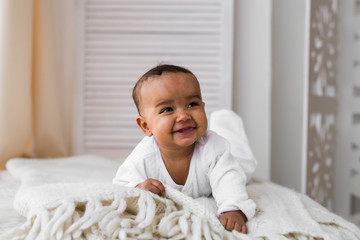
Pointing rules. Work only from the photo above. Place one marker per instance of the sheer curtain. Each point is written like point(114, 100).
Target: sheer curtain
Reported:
point(37, 58)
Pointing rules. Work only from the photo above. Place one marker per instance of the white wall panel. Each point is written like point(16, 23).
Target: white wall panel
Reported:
point(122, 39)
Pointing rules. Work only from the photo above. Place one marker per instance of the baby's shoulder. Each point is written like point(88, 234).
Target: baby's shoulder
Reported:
point(213, 143)
point(145, 149)
point(212, 140)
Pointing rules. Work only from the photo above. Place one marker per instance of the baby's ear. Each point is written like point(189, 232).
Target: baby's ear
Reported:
point(143, 125)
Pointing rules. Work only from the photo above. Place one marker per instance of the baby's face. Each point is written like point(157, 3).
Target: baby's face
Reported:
point(172, 110)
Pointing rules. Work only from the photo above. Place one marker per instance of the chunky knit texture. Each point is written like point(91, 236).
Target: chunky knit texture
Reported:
point(72, 198)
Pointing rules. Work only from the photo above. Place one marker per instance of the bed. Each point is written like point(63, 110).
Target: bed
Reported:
point(73, 198)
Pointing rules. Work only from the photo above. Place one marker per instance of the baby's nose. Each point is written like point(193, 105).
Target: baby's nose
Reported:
point(183, 115)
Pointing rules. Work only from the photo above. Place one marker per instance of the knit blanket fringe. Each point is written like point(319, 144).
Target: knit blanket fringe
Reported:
point(115, 212)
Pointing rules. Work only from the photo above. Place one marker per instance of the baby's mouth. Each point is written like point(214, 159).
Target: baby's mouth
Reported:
point(185, 130)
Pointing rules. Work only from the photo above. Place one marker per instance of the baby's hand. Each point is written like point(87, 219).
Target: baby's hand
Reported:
point(234, 220)
point(153, 186)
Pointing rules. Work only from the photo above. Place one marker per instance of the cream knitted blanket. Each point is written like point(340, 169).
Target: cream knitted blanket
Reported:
point(72, 198)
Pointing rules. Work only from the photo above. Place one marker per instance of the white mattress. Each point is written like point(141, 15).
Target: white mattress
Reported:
point(301, 217)
point(8, 216)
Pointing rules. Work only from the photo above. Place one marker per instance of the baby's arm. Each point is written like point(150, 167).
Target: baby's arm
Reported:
point(229, 190)
point(133, 171)
point(228, 182)
point(153, 186)
point(234, 220)
point(129, 174)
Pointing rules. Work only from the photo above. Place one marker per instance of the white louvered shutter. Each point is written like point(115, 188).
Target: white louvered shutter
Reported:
point(122, 39)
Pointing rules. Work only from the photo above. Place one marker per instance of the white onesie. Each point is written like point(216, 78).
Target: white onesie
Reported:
point(213, 170)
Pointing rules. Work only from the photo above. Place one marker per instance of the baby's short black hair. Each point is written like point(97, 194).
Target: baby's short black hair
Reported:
point(156, 71)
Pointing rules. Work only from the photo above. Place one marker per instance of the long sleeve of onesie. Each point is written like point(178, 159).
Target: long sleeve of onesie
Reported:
point(134, 169)
point(227, 177)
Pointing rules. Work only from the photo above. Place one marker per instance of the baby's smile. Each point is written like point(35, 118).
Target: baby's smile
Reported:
point(185, 130)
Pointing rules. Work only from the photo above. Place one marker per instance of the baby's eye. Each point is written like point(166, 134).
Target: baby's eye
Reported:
point(193, 104)
point(165, 110)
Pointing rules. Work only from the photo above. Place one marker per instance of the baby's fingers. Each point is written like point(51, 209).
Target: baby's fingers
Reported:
point(154, 189)
point(227, 222)
point(234, 220)
point(244, 229)
point(153, 186)
point(241, 228)
point(238, 227)
point(223, 221)
point(232, 224)
point(159, 186)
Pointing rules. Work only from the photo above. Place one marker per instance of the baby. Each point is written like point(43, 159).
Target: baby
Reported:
point(178, 149)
